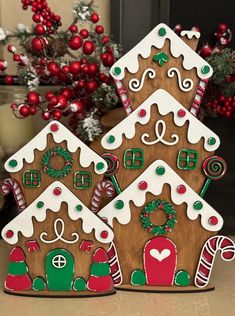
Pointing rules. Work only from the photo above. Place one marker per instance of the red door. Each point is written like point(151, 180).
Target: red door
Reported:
point(160, 256)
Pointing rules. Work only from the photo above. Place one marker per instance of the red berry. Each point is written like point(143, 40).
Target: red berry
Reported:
point(37, 18)
point(105, 39)
point(76, 106)
point(62, 101)
point(84, 33)
point(9, 80)
point(65, 69)
point(67, 93)
point(53, 68)
point(99, 29)
point(16, 57)
point(85, 69)
point(88, 47)
point(92, 69)
point(40, 29)
point(91, 86)
point(222, 27)
point(38, 44)
point(24, 110)
point(75, 42)
point(74, 67)
point(104, 56)
point(54, 100)
point(62, 76)
point(94, 17)
point(46, 116)
point(33, 98)
point(32, 110)
point(81, 84)
point(57, 114)
point(109, 61)
point(49, 95)
point(73, 28)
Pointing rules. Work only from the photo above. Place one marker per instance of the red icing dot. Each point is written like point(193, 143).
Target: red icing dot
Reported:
point(181, 189)
point(100, 255)
point(181, 113)
point(143, 185)
point(142, 113)
point(104, 234)
point(213, 220)
point(57, 191)
point(54, 127)
point(9, 234)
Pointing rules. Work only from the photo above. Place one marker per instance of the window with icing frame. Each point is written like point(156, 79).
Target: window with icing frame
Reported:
point(134, 158)
point(82, 180)
point(32, 179)
point(187, 159)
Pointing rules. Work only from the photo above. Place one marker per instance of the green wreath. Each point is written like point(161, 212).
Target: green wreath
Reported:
point(158, 229)
point(68, 161)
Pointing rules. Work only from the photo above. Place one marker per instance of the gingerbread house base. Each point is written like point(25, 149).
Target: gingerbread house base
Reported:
point(55, 294)
point(164, 289)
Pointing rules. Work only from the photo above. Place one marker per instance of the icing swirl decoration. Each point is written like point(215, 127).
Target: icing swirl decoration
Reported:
point(136, 85)
point(59, 235)
point(160, 130)
point(186, 84)
point(214, 167)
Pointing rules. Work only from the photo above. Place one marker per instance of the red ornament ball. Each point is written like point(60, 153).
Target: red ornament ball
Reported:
point(36, 18)
point(84, 33)
point(75, 67)
point(40, 29)
point(53, 68)
point(46, 116)
point(38, 44)
point(94, 17)
point(88, 47)
point(75, 42)
point(57, 114)
point(24, 110)
point(33, 98)
point(206, 51)
point(32, 110)
point(99, 29)
point(73, 28)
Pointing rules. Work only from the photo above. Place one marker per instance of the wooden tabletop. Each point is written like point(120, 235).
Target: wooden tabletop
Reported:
point(219, 302)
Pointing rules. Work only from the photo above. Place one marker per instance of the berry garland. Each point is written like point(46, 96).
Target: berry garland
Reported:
point(62, 152)
point(158, 229)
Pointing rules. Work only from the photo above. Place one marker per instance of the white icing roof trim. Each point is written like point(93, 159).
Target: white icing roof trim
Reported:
point(155, 185)
point(177, 47)
point(23, 222)
point(165, 104)
point(87, 155)
point(190, 34)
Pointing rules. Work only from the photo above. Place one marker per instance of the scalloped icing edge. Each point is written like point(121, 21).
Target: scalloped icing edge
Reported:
point(177, 47)
point(190, 34)
point(155, 185)
point(23, 222)
point(39, 142)
point(165, 104)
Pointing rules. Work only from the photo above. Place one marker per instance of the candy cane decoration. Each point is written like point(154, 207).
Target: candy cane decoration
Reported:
point(114, 264)
point(9, 185)
point(207, 257)
point(103, 187)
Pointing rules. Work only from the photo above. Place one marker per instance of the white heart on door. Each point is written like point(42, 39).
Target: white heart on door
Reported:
point(160, 255)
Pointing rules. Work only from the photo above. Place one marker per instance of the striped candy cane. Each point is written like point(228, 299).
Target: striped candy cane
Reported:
point(209, 250)
point(114, 264)
point(104, 186)
point(9, 185)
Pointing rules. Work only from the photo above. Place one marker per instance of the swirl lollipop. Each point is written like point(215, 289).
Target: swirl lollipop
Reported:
point(214, 168)
point(113, 165)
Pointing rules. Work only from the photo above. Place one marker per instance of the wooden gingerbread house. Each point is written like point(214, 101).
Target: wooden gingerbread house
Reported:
point(162, 60)
point(54, 154)
point(59, 248)
point(161, 128)
point(161, 226)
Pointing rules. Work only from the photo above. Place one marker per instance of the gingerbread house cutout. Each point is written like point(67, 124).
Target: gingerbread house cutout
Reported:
point(161, 226)
point(161, 128)
point(59, 248)
point(54, 154)
point(162, 60)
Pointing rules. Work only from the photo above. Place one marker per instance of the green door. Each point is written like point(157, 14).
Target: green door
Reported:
point(59, 270)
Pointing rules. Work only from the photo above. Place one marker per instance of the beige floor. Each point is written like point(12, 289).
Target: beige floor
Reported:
point(220, 302)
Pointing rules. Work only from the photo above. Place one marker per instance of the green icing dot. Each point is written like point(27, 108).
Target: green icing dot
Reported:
point(205, 69)
point(117, 71)
point(40, 204)
point(111, 139)
point(211, 141)
point(119, 204)
point(138, 277)
point(162, 31)
point(79, 207)
point(182, 278)
point(198, 205)
point(79, 284)
point(100, 166)
point(39, 284)
point(13, 163)
point(160, 170)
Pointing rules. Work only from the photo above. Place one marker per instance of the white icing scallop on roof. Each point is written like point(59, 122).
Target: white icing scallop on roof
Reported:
point(177, 47)
point(87, 155)
point(165, 104)
point(155, 185)
point(23, 222)
point(190, 34)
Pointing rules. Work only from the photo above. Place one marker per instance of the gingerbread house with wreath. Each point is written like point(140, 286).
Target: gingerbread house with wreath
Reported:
point(54, 154)
point(162, 60)
point(164, 233)
point(59, 248)
point(161, 128)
